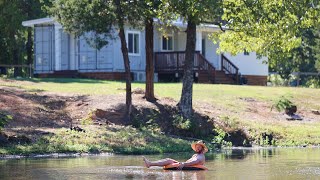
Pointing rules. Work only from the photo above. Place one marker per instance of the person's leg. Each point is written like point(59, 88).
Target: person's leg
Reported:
point(161, 162)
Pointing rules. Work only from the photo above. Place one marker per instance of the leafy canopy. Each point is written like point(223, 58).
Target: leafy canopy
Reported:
point(197, 11)
point(264, 25)
point(95, 16)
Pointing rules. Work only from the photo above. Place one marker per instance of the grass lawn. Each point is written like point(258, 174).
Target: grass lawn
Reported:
point(226, 96)
point(215, 94)
point(229, 101)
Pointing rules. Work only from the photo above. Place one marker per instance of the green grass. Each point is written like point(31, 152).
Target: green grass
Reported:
point(204, 92)
point(228, 97)
point(116, 139)
point(297, 134)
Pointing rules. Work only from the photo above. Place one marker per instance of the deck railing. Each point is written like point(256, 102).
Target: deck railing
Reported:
point(169, 61)
point(174, 62)
point(229, 68)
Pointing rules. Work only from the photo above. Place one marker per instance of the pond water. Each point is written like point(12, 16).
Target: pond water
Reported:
point(275, 163)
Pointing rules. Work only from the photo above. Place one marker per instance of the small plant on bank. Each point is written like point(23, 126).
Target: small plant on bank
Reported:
point(182, 123)
point(218, 140)
point(89, 119)
point(284, 104)
point(230, 122)
point(4, 119)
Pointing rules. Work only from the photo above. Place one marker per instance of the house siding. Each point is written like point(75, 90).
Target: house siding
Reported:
point(211, 51)
point(250, 64)
point(44, 48)
point(65, 50)
point(137, 62)
point(56, 50)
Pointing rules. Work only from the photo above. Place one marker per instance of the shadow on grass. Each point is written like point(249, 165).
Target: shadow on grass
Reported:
point(33, 110)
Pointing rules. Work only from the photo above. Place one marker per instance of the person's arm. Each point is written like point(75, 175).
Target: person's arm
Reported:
point(192, 161)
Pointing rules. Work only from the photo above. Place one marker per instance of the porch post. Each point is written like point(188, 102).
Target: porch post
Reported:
point(57, 45)
point(72, 55)
point(199, 41)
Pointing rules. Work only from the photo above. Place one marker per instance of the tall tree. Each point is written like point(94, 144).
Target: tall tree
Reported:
point(104, 18)
point(149, 10)
point(11, 17)
point(31, 9)
point(266, 26)
point(13, 35)
point(193, 12)
point(299, 59)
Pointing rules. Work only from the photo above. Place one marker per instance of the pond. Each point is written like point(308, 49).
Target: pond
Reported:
point(273, 163)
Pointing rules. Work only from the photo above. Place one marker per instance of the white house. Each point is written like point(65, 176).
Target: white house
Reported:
point(58, 53)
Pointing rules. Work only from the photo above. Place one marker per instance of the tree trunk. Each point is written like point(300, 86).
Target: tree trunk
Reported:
point(185, 104)
point(17, 70)
point(149, 94)
point(15, 55)
point(29, 46)
point(125, 55)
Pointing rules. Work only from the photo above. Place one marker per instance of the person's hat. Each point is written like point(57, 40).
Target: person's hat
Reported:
point(193, 146)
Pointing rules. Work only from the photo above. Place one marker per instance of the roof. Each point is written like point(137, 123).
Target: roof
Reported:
point(178, 23)
point(33, 22)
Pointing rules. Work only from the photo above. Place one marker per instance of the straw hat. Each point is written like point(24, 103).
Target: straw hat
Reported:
point(193, 146)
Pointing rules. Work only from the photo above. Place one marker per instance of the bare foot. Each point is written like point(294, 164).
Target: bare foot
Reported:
point(146, 162)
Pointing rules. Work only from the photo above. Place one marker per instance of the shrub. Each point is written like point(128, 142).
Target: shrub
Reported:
point(4, 119)
point(313, 83)
point(282, 104)
point(182, 123)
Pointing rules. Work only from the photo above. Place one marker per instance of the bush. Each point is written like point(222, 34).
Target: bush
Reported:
point(4, 119)
point(276, 80)
point(313, 83)
point(182, 123)
point(284, 104)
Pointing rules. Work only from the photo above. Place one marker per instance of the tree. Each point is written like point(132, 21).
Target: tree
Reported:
point(13, 35)
point(102, 17)
point(299, 59)
point(193, 12)
point(266, 26)
point(31, 9)
point(149, 10)
point(281, 30)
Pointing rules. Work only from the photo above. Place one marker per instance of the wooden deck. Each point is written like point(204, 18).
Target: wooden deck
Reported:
point(173, 62)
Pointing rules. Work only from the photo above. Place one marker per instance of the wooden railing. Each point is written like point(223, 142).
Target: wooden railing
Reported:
point(169, 61)
point(229, 68)
point(204, 65)
point(174, 62)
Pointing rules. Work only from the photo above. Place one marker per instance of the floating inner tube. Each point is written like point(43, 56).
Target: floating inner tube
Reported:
point(174, 166)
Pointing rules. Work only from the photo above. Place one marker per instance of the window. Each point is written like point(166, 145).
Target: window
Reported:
point(133, 39)
point(167, 43)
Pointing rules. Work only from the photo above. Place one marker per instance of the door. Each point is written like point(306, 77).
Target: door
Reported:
point(65, 51)
point(203, 50)
point(44, 48)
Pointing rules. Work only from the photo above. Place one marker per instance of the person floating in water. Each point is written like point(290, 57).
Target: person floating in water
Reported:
point(197, 159)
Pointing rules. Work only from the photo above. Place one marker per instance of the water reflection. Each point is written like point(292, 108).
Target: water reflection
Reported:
point(228, 164)
point(236, 154)
point(196, 175)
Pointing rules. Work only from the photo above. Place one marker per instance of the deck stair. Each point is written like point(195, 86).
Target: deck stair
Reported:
point(223, 78)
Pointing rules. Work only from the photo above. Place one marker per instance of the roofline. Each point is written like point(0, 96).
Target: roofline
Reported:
point(178, 23)
point(33, 22)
